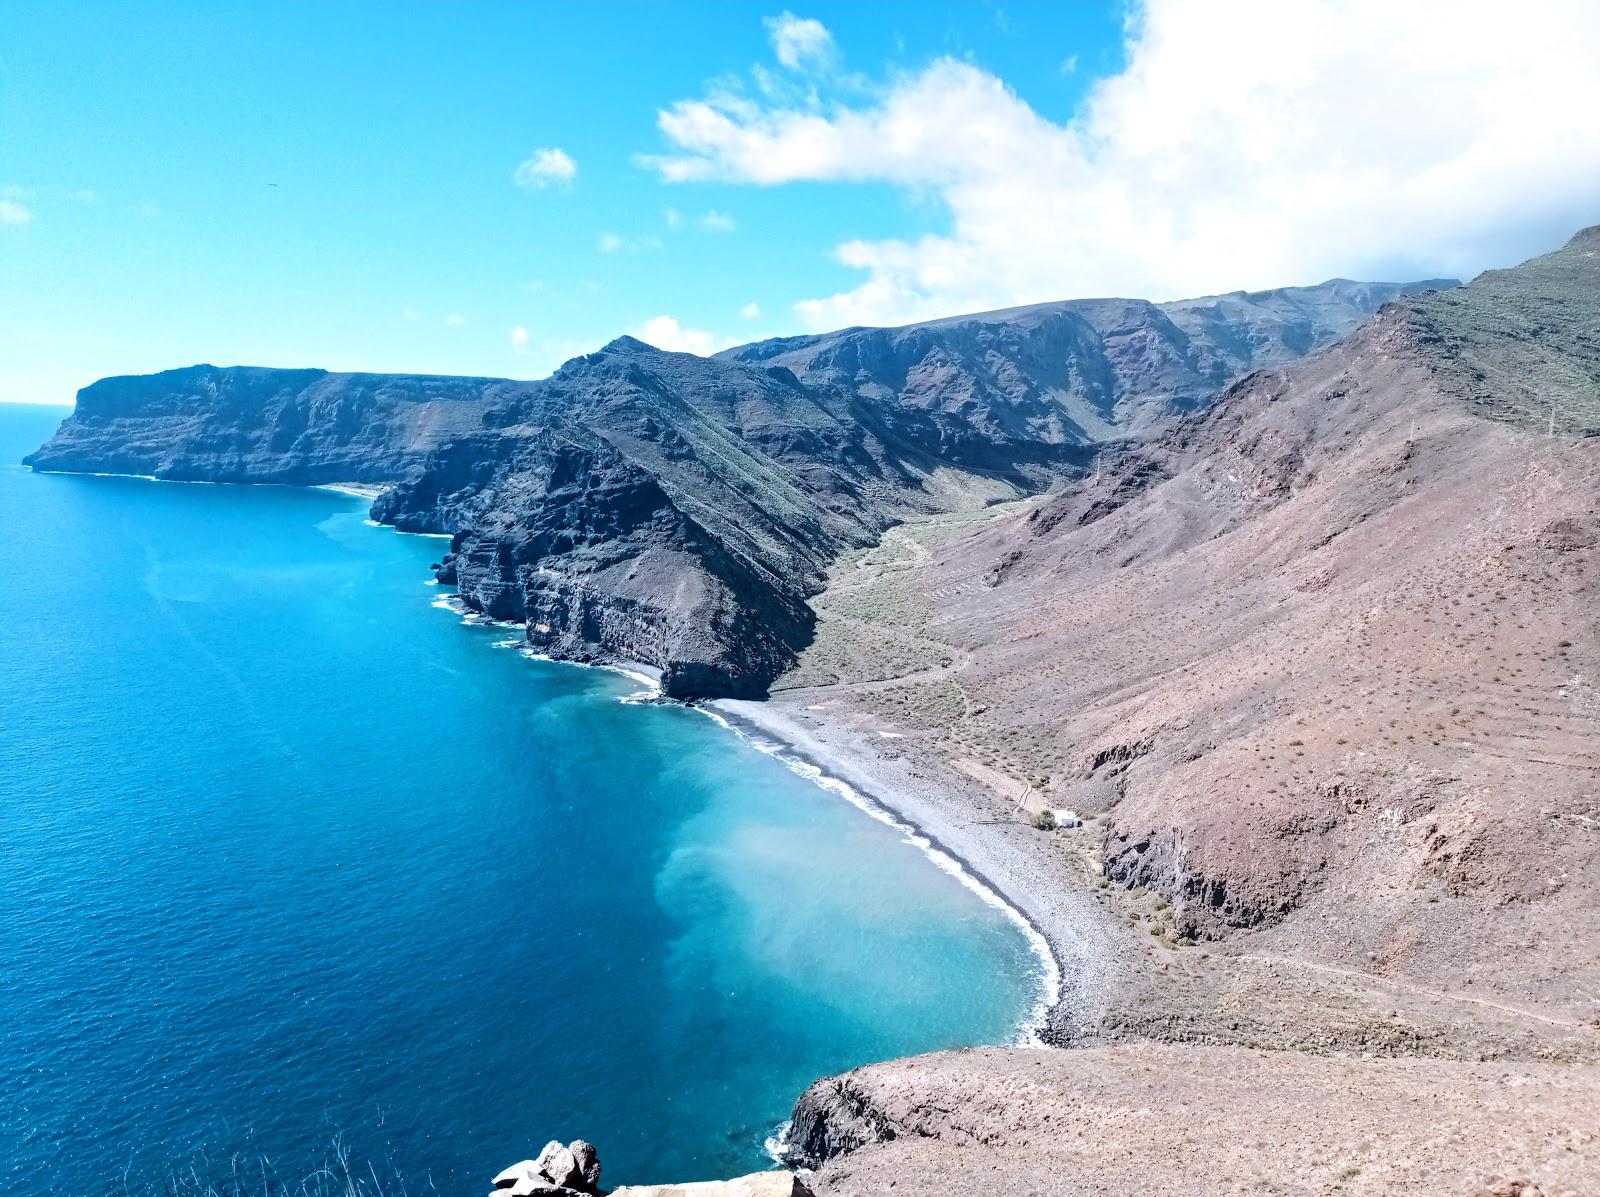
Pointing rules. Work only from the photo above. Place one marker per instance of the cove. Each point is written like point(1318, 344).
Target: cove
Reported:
point(287, 852)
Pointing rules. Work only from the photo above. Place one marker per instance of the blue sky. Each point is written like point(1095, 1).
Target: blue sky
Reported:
point(143, 140)
point(336, 184)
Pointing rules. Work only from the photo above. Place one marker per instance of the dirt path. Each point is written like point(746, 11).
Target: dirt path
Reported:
point(1367, 978)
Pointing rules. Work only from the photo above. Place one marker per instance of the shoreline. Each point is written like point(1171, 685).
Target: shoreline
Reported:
point(356, 490)
point(768, 729)
point(1002, 859)
point(770, 732)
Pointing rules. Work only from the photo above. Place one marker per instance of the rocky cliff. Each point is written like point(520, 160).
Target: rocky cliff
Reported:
point(246, 424)
point(679, 511)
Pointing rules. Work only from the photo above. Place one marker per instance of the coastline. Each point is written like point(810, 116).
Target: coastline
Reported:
point(932, 813)
point(959, 825)
point(1003, 859)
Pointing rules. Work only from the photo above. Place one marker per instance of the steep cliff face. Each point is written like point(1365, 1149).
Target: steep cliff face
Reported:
point(247, 424)
point(669, 509)
point(1081, 370)
point(679, 511)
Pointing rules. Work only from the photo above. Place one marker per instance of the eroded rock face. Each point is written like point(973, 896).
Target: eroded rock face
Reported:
point(679, 511)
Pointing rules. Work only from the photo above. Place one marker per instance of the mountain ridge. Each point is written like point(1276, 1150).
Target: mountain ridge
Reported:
point(679, 511)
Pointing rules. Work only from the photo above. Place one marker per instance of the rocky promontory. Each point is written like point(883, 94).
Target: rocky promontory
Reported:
point(248, 424)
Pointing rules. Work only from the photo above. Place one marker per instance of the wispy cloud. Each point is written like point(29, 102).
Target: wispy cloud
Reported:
point(455, 320)
point(14, 212)
point(750, 311)
point(717, 222)
point(800, 43)
point(614, 243)
point(1242, 145)
point(548, 166)
point(519, 339)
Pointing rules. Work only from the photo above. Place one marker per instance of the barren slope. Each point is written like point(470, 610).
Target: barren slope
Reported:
point(1320, 663)
point(1156, 1120)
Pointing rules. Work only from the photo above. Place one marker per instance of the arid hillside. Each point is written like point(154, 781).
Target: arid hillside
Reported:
point(1320, 665)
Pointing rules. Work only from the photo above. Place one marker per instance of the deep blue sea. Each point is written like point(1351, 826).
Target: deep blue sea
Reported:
point(289, 852)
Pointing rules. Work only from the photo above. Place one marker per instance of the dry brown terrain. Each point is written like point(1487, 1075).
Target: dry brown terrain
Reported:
point(1156, 1120)
point(1320, 666)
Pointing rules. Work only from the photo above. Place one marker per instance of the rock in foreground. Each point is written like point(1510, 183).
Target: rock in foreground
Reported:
point(574, 1170)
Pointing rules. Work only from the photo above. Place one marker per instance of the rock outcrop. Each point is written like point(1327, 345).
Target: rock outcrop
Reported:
point(679, 511)
point(573, 1170)
point(562, 1170)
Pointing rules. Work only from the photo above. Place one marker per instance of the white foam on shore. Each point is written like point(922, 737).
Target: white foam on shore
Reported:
point(650, 687)
point(1028, 1033)
point(650, 690)
point(355, 490)
point(372, 523)
point(776, 1145)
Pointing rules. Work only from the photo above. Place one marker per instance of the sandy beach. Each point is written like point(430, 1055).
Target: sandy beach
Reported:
point(358, 490)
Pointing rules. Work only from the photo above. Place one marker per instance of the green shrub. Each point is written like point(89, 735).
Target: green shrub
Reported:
point(1045, 820)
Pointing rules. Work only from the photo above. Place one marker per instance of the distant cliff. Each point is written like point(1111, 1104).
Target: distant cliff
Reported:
point(247, 424)
point(1081, 370)
point(677, 510)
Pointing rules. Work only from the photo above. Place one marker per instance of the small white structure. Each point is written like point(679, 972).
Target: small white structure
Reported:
point(1067, 818)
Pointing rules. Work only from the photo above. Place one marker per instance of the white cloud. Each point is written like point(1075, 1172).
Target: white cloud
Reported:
point(1069, 65)
point(12, 212)
point(717, 222)
point(1244, 145)
point(408, 313)
point(673, 217)
point(546, 166)
point(800, 42)
point(455, 320)
point(611, 243)
point(750, 311)
point(519, 339)
point(664, 332)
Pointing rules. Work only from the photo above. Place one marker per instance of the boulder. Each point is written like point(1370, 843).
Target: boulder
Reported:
point(556, 1164)
point(587, 1160)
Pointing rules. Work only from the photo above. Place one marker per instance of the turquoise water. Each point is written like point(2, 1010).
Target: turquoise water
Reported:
point(286, 852)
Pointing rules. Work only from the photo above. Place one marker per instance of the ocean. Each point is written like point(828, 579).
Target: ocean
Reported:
point(290, 854)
